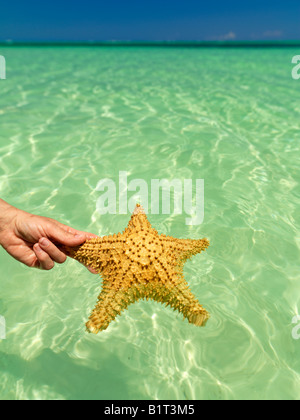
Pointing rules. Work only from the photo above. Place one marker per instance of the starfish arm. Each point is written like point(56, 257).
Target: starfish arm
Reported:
point(110, 304)
point(173, 290)
point(184, 249)
point(185, 302)
point(139, 222)
point(96, 252)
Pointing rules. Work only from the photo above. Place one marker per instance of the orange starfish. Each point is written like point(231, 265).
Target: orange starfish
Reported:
point(138, 264)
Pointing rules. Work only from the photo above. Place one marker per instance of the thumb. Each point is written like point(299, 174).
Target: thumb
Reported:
point(63, 237)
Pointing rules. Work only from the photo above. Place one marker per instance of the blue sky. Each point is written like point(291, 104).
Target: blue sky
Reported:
point(34, 20)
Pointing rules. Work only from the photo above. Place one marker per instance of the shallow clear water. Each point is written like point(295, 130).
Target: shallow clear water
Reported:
point(72, 116)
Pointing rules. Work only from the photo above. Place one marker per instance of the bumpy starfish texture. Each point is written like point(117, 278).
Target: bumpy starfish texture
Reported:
point(139, 264)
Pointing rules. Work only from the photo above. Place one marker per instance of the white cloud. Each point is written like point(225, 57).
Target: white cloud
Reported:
point(230, 36)
point(273, 34)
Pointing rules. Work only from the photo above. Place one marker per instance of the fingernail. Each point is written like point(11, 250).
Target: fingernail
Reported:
point(37, 248)
point(44, 242)
point(79, 236)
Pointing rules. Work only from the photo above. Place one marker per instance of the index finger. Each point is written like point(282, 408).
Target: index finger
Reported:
point(69, 229)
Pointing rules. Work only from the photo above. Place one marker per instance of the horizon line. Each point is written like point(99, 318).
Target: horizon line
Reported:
point(117, 43)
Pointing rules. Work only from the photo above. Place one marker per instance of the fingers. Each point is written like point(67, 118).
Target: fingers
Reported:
point(54, 253)
point(47, 254)
point(66, 235)
point(91, 270)
point(45, 262)
point(69, 229)
point(63, 236)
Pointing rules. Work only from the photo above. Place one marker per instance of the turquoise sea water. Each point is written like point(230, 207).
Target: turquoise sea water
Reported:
point(70, 117)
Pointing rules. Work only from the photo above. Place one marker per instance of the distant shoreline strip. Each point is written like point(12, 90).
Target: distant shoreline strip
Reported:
point(181, 44)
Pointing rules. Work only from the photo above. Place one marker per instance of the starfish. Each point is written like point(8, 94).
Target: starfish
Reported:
point(140, 264)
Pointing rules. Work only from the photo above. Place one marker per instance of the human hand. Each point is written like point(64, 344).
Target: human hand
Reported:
point(34, 240)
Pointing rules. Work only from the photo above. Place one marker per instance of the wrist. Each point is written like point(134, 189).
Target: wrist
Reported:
point(8, 214)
